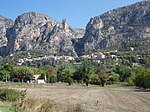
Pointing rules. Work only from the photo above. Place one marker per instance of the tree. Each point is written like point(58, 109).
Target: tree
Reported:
point(51, 74)
point(6, 71)
point(142, 78)
point(84, 72)
point(147, 61)
point(4, 75)
point(79, 74)
point(130, 81)
point(23, 73)
point(124, 71)
point(103, 77)
point(69, 80)
point(113, 78)
point(94, 79)
point(67, 74)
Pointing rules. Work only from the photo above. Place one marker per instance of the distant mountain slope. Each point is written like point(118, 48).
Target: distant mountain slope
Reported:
point(128, 25)
point(4, 25)
point(36, 31)
point(118, 26)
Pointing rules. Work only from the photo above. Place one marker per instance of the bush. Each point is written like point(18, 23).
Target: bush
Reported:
point(11, 95)
point(23, 73)
point(103, 77)
point(43, 105)
point(147, 81)
point(70, 80)
point(38, 105)
point(94, 79)
point(142, 78)
point(124, 71)
point(130, 81)
point(51, 78)
point(113, 78)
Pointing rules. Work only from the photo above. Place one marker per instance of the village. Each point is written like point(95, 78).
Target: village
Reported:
point(97, 57)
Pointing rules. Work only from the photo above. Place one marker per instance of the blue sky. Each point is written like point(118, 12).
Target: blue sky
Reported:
point(77, 12)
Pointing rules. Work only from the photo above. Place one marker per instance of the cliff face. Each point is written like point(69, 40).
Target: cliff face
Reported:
point(4, 25)
point(36, 31)
point(116, 26)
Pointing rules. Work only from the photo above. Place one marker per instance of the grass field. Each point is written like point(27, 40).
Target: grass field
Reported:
point(7, 109)
point(92, 98)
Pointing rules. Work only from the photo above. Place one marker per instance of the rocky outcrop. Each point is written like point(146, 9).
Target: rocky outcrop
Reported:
point(36, 31)
point(4, 25)
point(116, 26)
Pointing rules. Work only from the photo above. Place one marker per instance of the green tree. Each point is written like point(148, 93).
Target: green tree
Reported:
point(6, 71)
point(147, 61)
point(124, 71)
point(67, 74)
point(130, 81)
point(94, 79)
point(103, 77)
point(51, 74)
point(4, 75)
point(23, 73)
point(83, 72)
point(113, 78)
point(142, 78)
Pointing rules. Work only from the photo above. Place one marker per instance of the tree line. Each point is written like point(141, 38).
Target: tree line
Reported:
point(88, 72)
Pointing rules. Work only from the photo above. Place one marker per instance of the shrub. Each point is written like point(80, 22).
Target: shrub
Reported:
point(142, 78)
point(70, 80)
point(113, 78)
point(11, 95)
point(147, 81)
point(130, 81)
point(124, 72)
point(94, 79)
point(43, 105)
point(23, 73)
point(103, 77)
point(51, 78)
point(38, 105)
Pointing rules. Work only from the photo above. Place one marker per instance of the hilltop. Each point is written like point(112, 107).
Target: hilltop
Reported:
point(127, 25)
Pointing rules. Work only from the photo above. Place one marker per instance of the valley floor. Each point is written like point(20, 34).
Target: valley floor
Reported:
point(93, 98)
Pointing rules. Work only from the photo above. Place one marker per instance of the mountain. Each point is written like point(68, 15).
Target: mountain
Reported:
point(4, 25)
point(118, 26)
point(129, 25)
point(36, 31)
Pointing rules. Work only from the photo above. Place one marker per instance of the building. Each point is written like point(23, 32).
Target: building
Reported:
point(37, 79)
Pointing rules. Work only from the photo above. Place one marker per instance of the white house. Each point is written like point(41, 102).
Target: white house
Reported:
point(37, 79)
point(101, 56)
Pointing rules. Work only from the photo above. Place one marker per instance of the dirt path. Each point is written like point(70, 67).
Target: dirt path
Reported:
point(96, 99)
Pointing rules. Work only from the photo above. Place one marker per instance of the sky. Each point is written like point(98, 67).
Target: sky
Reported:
point(77, 12)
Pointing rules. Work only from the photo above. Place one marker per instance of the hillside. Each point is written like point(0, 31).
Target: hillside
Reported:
point(35, 31)
point(122, 25)
point(4, 25)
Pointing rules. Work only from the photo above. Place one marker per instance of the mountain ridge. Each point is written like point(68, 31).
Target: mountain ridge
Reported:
point(37, 31)
point(117, 26)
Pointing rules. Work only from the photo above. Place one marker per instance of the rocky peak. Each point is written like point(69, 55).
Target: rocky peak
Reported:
point(33, 18)
point(4, 25)
point(118, 25)
point(36, 31)
point(65, 25)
